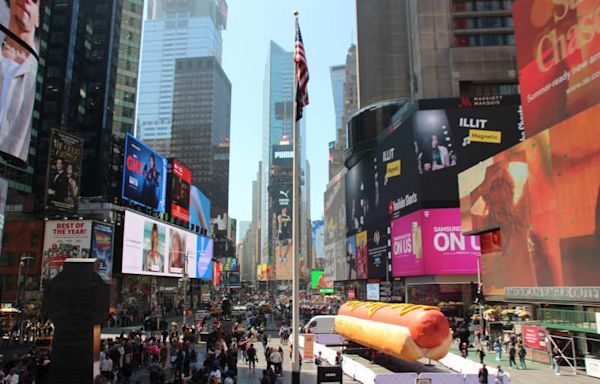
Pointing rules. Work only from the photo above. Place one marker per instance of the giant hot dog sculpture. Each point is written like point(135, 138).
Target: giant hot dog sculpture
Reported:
point(406, 331)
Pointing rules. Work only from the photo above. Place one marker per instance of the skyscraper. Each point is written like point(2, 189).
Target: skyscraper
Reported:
point(173, 30)
point(427, 49)
point(201, 125)
point(338, 77)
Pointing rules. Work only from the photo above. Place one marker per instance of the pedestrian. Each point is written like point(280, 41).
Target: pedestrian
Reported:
point(106, 369)
point(556, 361)
point(506, 342)
point(498, 349)
point(276, 360)
point(522, 353)
point(338, 358)
point(215, 375)
point(464, 350)
point(265, 379)
point(268, 357)
point(500, 376)
point(481, 354)
point(265, 340)
point(512, 355)
point(251, 352)
point(319, 359)
point(483, 375)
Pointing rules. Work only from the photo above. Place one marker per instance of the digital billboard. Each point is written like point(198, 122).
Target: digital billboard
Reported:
point(541, 202)
point(19, 25)
point(378, 247)
point(64, 171)
point(360, 194)
point(335, 228)
point(102, 248)
point(373, 291)
point(64, 239)
point(144, 175)
point(430, 242)
point(3, 193)
point(558, 56)
point(180, 179)
point(199, 208)
point(154, 248)
point(318, 244)
point(362, 255)
point(318, 282)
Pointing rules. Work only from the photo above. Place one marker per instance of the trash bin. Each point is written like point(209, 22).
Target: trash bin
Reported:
point(328, 374)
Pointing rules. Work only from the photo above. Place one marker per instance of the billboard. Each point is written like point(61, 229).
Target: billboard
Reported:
point(64, 239)
point(102, 248)
point(199, 208)
point(19, 32)
point(3, 195)
point(335, 228)
point(535, 337)
point(349, 265)
point(318, 244)
point(558, 56)
point(64, 171)
point(430, 242)
point(378, 248)
point(539, 203)
point(373, 291)
point(283, 261)
point(362, 255)
point(154, 248)
point(318, 282)
point(180, 179)
point(144, 175)
point(264, 272)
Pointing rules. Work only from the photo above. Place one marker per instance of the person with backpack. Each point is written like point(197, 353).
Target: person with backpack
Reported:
point(522, 352)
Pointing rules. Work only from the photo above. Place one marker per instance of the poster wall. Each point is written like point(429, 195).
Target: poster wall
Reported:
point(102, 248)
point(64, 171)
point(430, 242)
point(541, 200)
point(20, 67)
point(64, 239)
point(558, 52)
point(199, 208)
point(144, 175)
point(180, 178)
point(154, 248)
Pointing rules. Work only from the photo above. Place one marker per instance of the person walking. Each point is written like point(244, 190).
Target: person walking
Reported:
point(251, 352)
point(338, 358)
point(556, 361)
point(464, 350)
point(512, 354)
point(481, 354)
point(522, 353)
point(483, 375)
point(276, 360)
point(500, 375)
point(498, 349)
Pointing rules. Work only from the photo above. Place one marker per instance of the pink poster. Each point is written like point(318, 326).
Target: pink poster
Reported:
point(407, 249)
point(430, 242)
point(447, 251)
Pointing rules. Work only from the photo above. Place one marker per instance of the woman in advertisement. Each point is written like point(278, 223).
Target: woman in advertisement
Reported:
point(176, 253)
point(73, 188)
point(152, 185)
point(18, 72)
point(153, 259)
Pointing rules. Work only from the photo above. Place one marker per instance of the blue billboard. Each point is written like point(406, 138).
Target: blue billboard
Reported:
point(102, 248)
point(144, 175)
point(204, 257)
point(199, 208)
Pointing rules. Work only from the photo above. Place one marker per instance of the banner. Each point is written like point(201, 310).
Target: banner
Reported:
point(144, 175)
point(309, 345)
point(558, 55)
point(102, 248)
point(62, 240)
point(19, 70)
point(64, 171)
point(535, 337)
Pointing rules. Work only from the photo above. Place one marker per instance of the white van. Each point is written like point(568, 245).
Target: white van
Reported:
point(321, 324)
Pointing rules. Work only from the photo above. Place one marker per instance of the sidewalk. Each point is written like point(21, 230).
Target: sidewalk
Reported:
point(535, 372)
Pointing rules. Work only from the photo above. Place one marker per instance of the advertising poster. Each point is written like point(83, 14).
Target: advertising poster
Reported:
point(360, 194)
point(3, 193)
point(102, 248)
point(535, 337)
point(378, 248)
point(329, 262)
point(199, 208)
point(362, 255)
point(350, 259)
point(20, 67)
point(282, 202)
point(373, 291)
point(179, 193)
point(550, 239)
point(309, 347)
point(558, 56)
point(283, 261)
point(64, 171)
point(318, 244)
point(319, 283)
point(335, 228)
point(63, 240)
point(434, 144)
point(144, 175)
point(154, 248)
point(446, 250)
point(407, 245)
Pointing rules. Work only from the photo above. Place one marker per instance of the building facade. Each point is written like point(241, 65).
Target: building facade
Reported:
point(173, 30)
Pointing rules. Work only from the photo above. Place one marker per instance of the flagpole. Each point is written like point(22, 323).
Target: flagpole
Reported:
point(295, 233)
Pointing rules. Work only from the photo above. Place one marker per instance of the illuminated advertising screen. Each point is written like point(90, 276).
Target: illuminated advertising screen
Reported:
point(360, 194)
point(64, 171)
point(154, 248)
point(558, 56)
point(3, 193)
point(539, 204)
point(199, 208)
point(19, 23)
point(318, 244)
point(318, 282)
point(430, 242)
point(362, 255)
point(378, 247)
point(144, 175)
point(64, 239)
point(180, 178)
point(102, 248)
point(349, 264)
point(335, 228)
point(373, 291)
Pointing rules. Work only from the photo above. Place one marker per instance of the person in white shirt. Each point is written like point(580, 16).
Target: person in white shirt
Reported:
point(106, 368)
point(215, 376)
point(276, 360)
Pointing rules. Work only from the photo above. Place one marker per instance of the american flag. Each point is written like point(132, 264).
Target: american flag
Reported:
point(301, 74)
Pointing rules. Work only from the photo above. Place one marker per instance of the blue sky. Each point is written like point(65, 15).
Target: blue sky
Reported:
point(328, 29)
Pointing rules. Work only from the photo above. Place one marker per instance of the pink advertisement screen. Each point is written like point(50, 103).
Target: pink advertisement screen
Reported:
point(430, 242)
